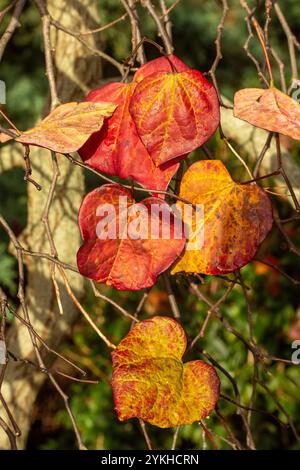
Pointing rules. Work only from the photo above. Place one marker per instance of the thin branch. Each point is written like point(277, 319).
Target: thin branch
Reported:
point(160, 26)
point(171, 296)
point(290, 38)
point(13, 25)
point(136, 36)
point(50, 68)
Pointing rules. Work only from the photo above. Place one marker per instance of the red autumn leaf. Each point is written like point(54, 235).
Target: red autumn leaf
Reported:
point(167, 64)
point(118, 247)
point(66, 128)
point(269, 109)
point(174, 113)
point(151, 382)
point(117, 149)
point(236, 219)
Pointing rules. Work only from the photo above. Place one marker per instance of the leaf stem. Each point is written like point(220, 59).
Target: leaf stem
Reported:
point(9, 121)
point(263, 45)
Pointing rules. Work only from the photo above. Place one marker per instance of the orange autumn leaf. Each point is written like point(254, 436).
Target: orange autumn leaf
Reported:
point(118, 248)
point(269, 109)
point(117, 149)
point(236, 219)
point(151, 382)
point(174, 113)
point(67, 128)
point(5, 137)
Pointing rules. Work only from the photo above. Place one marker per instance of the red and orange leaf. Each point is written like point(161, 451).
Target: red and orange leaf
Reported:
point(117, 258)
point(167, 64)
point(174, 113)
point(117, 149)
point(151, 382)
point(68, 127)
point(269, 109)
point(236, 219)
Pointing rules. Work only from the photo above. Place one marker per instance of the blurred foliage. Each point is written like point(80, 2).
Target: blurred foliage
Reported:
point(13, 205)
point(23, 71)
point(274, 299)
point(7, 271)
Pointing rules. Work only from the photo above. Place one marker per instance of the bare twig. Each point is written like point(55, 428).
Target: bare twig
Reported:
point(160, 26)
point(13, 25)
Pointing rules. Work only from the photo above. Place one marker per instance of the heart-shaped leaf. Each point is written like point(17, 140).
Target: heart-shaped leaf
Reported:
point(151, 382)
point(174, 113)
point(117, 148)
point(168, 64)
point(269, 109)
point(236, 219)
point(126, 245)
point(67, 128)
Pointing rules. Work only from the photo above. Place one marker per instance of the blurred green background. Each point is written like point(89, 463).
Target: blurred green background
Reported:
point(274, 299)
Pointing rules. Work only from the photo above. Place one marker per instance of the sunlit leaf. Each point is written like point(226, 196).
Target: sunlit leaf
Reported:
point(117, 149)
point(119, 257)
point(269, 109)
point(151, 382)
point(236, 219)
point(168, 64)
point(67, 128)
point(174, 113)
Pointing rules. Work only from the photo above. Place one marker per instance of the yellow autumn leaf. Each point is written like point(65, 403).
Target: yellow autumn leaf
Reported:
point(68, 127)
point(236, 219)
point(151, 382)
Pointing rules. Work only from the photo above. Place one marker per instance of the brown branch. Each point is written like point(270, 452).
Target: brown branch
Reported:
point(165, 18)
point(13, 25)
point(145, 434)
point(106, 26)
point(218, 40)
point(11, 436)
point(84, 312)
point(21, 297)
point(290, 38)
point(136, 36)
point(7, 9)
point(160, 26)
point(50, 68)
point(248, 20)
point(171, 296)
point(95, 51)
